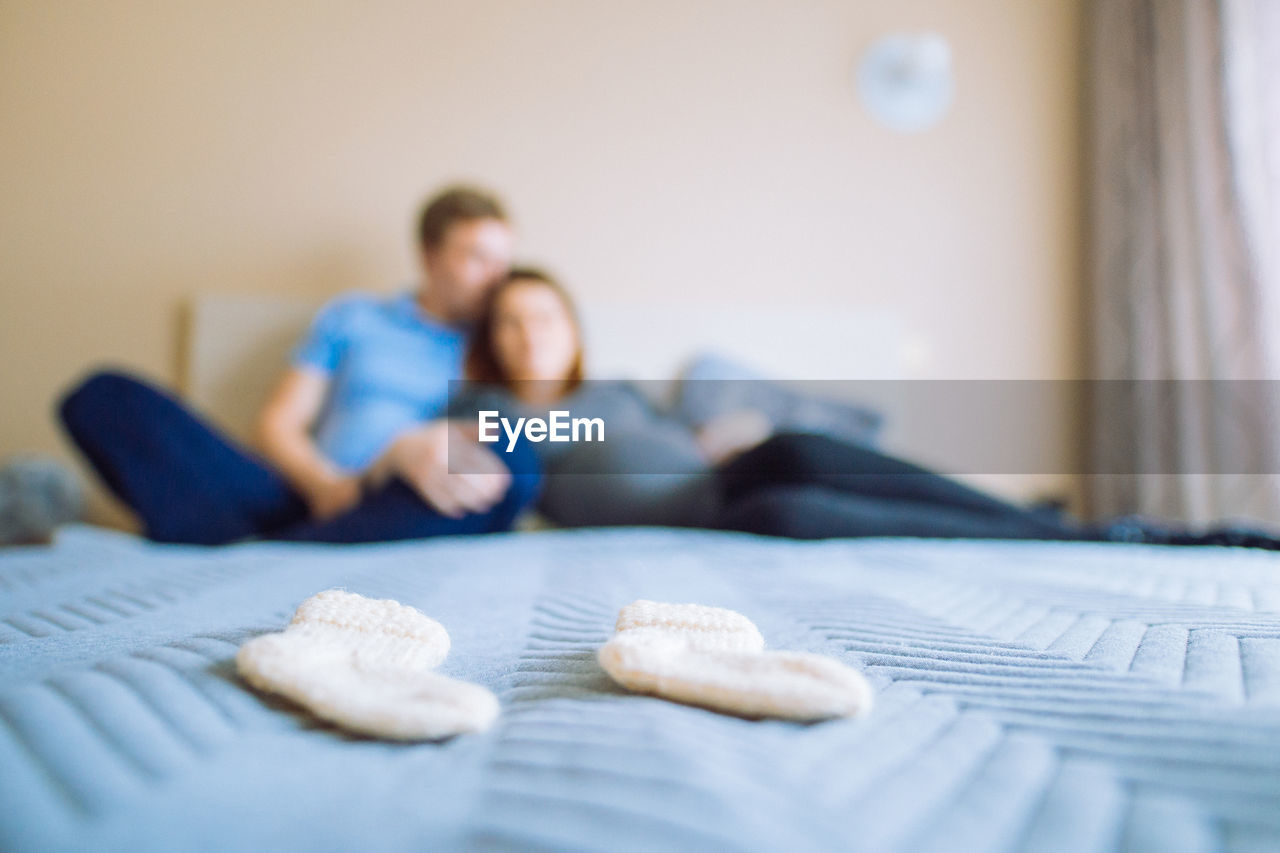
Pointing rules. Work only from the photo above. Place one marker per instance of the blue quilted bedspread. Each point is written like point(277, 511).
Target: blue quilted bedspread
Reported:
point(1030, 696)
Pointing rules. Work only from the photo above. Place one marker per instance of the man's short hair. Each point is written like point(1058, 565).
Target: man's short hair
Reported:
point(452, 205)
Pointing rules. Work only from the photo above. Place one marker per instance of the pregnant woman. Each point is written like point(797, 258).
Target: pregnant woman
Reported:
point(526, 359)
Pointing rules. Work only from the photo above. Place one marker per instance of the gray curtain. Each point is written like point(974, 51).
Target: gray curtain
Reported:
point(1183, 155)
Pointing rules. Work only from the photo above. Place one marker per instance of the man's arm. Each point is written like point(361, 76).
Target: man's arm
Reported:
point(285, 439)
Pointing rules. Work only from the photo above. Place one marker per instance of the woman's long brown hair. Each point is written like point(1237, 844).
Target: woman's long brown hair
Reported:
point(482, 362)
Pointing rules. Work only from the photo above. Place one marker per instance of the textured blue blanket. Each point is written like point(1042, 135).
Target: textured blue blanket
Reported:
point(1031, 696)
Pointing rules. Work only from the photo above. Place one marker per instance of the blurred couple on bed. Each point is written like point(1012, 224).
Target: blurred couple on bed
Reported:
point(360, 441)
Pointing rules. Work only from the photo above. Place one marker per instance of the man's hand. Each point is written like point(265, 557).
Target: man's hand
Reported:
point(332, 497)
point(421, 458)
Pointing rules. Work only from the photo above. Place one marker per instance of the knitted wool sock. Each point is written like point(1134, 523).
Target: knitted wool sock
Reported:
point(715, 658)
point(365, 664)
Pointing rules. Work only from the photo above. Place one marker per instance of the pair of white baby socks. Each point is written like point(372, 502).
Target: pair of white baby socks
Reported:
point(366, 664)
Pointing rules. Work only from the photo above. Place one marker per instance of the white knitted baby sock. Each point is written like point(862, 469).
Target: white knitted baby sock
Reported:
point(715, 658)
point(365, 664)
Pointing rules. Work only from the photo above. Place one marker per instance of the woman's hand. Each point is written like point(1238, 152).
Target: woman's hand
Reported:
point(725, 436)
point(421, 457)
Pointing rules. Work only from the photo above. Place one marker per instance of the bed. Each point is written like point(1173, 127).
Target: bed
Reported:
point(1029, 696)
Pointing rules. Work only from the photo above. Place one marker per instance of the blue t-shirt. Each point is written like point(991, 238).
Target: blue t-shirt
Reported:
point(389, 364)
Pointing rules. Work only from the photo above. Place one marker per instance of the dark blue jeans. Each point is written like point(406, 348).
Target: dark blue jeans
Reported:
point(815, 487)
point(189, 484)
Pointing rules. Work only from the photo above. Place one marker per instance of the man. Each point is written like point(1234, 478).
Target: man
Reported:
point(354, 440)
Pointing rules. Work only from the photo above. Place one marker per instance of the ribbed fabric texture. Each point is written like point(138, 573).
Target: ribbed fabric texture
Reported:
point(1029, 696)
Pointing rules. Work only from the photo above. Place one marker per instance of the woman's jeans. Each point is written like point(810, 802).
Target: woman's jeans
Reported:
point(815, 487)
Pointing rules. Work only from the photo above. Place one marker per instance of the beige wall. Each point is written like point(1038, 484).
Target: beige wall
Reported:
point(153, 150)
